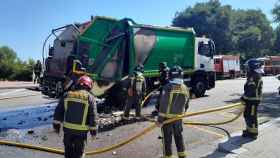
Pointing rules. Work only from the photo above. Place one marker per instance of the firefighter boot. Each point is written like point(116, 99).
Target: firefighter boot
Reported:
point(247, 134)
point(154, 113)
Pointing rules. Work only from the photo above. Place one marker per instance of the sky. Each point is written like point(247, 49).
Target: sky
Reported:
point(24, 24)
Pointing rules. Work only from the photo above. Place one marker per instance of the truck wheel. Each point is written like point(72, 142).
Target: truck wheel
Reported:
point(199, 87)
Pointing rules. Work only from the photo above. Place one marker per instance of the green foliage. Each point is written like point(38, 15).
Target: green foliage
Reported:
point(7, 60)
point(244, 32)
point(276, 12)
point(276, 45)
point(252, 33)
point(210, 19)
point(12, 68)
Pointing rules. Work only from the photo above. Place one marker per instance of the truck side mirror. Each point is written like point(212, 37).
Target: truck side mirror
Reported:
point(212, 48)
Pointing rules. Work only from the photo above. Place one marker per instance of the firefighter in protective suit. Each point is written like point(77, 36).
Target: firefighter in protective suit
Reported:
point(136, 92)
point(163, 80)
point(37, 71)
point(77, 112)
point(252, 97)
point(173, 103)
point(164, 72)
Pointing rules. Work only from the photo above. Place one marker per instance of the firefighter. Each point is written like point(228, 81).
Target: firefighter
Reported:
point(252, 97)
point(173, 103)
point(136, 92)
point(77, 112)
point(163, 70)
point(163, 80)
point(37, 71)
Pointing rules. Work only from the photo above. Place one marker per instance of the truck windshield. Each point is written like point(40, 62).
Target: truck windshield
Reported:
point(204, 49)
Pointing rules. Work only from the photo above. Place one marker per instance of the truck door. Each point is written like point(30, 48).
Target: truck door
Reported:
point(206, 51)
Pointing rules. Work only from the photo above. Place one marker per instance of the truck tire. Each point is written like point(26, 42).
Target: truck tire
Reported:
point(199, 87)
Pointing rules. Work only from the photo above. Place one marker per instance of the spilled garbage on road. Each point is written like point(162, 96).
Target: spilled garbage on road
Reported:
point(28, 117)
point(24, 120)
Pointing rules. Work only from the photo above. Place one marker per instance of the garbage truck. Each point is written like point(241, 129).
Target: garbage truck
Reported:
point(108, 50)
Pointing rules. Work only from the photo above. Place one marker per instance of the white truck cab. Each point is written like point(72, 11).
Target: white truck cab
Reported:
point(203, 78)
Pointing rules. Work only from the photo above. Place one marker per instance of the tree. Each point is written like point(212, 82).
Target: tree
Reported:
point(12, 68)
point(210, 19)
point(23, 70)
point(252, 33)
point(7, 60)
point(276, 12)
point(244, 32)
point(276, 44)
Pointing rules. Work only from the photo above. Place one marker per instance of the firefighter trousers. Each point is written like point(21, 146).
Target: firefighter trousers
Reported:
point(251, 118)
point(36, 78)
point(133, 101)
point(74, 145)
point(158, 100)
point(173, 129)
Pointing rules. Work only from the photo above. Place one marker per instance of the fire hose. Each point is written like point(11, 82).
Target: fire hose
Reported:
point(209, 123)
point(197, 123)
point(134, 137)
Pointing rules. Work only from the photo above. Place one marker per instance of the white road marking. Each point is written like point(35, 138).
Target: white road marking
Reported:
point(11, 92)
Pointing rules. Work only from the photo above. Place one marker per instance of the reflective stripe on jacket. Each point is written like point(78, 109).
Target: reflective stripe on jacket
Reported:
point(173, 101)
point(76, 110)
point(253, 88)
point(137, 85)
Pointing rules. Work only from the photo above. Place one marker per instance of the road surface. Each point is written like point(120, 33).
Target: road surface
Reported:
point(200, 141)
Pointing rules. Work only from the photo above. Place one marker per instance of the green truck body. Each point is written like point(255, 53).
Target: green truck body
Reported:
point(121, 45)
point(108, 50)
